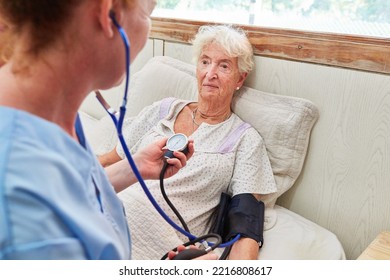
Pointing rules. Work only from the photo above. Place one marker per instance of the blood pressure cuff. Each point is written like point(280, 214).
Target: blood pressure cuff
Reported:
point(218, 218)
point(245, 216)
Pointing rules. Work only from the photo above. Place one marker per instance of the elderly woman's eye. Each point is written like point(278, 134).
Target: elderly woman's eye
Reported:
point(225, 67)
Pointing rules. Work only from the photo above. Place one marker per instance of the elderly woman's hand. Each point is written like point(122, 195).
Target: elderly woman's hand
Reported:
point(150, 160)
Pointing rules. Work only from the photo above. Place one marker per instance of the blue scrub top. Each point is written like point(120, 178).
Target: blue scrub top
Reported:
point(55, 199)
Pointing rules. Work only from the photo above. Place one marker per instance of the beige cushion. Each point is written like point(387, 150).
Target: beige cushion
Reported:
point(285, 124)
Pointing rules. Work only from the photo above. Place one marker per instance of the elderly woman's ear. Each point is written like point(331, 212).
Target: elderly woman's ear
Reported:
point(242, 79)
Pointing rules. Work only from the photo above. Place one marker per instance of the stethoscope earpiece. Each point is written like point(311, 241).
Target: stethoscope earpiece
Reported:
point(112, 15)
point(113, 18)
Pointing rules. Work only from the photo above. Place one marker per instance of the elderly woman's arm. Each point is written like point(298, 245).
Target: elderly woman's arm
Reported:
point(109, 158)
point(244, 249)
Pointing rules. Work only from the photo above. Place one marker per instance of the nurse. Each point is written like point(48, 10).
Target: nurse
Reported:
point(56, 201)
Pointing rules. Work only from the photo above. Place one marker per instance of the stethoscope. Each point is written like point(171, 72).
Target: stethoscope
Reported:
point(175, 142)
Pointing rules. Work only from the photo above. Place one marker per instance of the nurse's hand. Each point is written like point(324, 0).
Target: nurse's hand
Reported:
point(150, 160)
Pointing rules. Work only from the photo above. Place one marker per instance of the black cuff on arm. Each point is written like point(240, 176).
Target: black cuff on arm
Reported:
point(245, 217)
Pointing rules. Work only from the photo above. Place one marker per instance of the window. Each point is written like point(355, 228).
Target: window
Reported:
point(357, 17)
point(352, 34)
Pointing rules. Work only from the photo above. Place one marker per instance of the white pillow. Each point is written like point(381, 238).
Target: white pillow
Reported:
point(161, 77)
point(284, 122)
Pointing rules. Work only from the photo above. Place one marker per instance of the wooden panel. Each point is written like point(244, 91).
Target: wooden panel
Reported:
point(179, 51)
point(345, 182)
point(158, 47)
point(356, 52)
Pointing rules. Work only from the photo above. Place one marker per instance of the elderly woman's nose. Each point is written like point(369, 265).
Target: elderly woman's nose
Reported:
point(212, 71)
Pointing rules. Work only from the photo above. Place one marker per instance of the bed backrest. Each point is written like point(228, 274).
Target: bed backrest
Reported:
point(284, 122)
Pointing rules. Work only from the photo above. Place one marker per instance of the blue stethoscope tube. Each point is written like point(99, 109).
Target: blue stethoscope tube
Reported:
point(119, 124)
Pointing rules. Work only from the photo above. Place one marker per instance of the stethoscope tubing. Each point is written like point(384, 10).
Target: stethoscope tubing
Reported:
point(118, 122)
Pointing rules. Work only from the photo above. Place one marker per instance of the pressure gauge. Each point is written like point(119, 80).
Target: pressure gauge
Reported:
point(177, 142)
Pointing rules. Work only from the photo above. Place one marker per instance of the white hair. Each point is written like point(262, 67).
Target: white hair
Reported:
point(232, 39)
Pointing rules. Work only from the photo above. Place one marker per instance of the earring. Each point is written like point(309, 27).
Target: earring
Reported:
point(237, 88)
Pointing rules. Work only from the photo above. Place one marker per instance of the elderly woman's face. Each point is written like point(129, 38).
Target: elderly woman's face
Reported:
point(217, 73)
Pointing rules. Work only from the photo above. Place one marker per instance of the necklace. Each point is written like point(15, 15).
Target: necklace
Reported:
point(193, 117)
point(203, 115)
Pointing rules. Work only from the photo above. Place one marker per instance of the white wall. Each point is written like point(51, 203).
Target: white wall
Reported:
point(345, 183)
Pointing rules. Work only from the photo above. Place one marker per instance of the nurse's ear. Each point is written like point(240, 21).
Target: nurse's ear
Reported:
point(105, 19)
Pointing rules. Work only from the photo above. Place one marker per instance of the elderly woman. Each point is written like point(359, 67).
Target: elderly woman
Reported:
point(224, 58)
point(56, 201)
